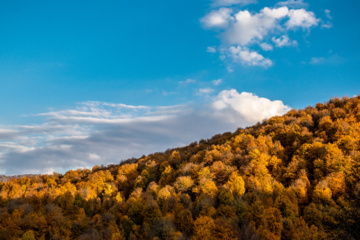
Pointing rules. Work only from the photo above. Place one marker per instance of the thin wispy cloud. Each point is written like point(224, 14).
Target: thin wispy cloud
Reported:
point(327, 12)
point(188, 81)
point(103, 133)
point(327, 23)
point(204, 91)
point(217, 82)
point(217, 3)
point(211, 49)
point(332, 59)
point(293, 3)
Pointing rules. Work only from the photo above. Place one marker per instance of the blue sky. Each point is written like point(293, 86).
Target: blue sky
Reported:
point(70, 65)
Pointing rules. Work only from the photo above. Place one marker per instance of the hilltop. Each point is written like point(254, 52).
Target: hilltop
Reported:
point(291, 177)
point(5, 178)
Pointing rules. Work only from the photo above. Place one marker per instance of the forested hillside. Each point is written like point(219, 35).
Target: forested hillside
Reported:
point(291, 177)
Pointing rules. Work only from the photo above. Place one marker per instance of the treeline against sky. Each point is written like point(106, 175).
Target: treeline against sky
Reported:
point(291, 177)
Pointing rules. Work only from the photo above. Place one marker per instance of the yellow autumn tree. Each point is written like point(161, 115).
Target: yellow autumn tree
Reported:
point(183, 183)
point(236, 184)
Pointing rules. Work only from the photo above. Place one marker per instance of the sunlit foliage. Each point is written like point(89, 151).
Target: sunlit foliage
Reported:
point(291, 177)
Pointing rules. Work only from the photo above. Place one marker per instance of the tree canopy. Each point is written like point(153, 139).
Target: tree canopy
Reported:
point(295, 176)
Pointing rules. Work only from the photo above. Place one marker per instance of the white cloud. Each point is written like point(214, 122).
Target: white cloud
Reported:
point(327, 24)
point(284, 41)
point(211, 49)
point(327, 13)
point(217, 82)
point(301, 18)
point(218, 18)
point(231, 104)
point(317, 60)
point(65, 141)
point(276, 13)
point(266, 47)
point(217, 3)
point(249, 28)
point(229, 69)
point(247, 57)
point(332, 59)
point(293, 3)
point(204, 91)
point(244, 29)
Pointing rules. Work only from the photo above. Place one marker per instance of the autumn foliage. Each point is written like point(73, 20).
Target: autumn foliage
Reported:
point(290, 177)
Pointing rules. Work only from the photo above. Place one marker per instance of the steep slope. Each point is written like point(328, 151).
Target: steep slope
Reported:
point(291, 177)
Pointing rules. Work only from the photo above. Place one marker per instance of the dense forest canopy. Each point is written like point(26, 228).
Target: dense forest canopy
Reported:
point(290, 177)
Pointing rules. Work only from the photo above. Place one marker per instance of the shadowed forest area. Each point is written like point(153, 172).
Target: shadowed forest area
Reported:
point(290, 177)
